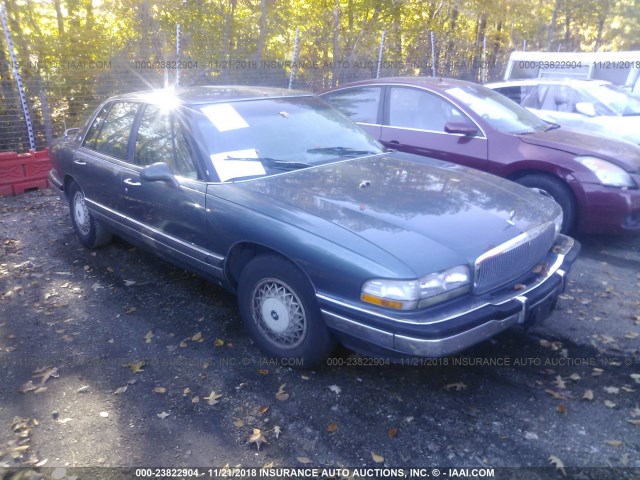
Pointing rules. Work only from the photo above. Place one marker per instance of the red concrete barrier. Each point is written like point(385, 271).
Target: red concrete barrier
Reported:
point(22, 172)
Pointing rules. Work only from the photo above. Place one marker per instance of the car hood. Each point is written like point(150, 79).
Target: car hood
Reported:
point(428, 214)
point(622, 153)
point(622, 128)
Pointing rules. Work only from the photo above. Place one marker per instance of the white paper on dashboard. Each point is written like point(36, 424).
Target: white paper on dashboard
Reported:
point(227, 169)
point(224, 117)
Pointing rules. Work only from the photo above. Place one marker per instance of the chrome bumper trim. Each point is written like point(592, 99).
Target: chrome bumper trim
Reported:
point(561, 249)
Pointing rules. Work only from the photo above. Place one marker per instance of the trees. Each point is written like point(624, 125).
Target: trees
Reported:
point(74, 52)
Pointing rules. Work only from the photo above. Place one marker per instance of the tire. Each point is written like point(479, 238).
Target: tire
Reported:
point(278, 307)
point(560, 193)
point(90, 232)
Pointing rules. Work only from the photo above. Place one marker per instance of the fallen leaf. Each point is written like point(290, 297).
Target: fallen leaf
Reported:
point(392, 432)
point(634, 422)
point(148, 336)
point(305, 377)
point(612, 390)
point(218, 342)
point(556, 395)
point(257, 437)
point(183, 344)
point(120, 390)
point(160, 390)
point(559, 382)
point(335, 389)
point(135, 367)
point(27, 387)
point(596, 372)
point(40, 390)
point(128, 283)
point(588, 395)
point(635, 412)
point(281, 394)
point(186, 392)
point(575, 377)
point(609, 403)
point(263, 409)
point(614, 443)
point(45, 373)
point(304, 459)
point(213, 397)
point(195, 399)
point(162, 415)
point(332, 427)
point(377, 458)
point(197, 337)
point(559, 464)
point(277, 431)
point(238, 422)
point(458, 386)
point(561, 409)
point(263, 371)
point(131, 310)
point(83, 389)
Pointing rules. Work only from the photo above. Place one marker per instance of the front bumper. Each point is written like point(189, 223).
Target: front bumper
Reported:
point(610, 211)
point(456, 325)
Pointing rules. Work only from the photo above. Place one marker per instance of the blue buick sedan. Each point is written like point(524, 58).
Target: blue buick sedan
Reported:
point(324, 236)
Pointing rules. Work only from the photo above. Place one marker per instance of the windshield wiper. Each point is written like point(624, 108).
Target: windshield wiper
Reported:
point(342, 151)
point(272, 162)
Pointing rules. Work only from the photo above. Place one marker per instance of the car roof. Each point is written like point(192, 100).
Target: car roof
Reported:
point(546, 81)
point(210, 94)
point(435, 83)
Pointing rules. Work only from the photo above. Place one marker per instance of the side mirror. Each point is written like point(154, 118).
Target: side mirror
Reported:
point(586, 108)
point(462, 128)
point(159, 172)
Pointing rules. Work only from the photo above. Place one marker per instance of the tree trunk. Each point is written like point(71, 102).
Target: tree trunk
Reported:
point(552, 24)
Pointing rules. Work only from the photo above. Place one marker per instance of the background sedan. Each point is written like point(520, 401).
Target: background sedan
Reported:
point(594, 179)
point(593, 105)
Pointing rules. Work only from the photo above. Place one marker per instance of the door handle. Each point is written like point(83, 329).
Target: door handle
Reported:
point(131, 182)
point(79, 162)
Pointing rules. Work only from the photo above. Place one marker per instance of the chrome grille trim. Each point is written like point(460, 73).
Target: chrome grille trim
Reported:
point(513, 258)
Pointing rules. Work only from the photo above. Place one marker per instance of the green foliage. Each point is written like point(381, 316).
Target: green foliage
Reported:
point(56, 41)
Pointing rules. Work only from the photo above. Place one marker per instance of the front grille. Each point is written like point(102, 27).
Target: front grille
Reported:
point(512, 259)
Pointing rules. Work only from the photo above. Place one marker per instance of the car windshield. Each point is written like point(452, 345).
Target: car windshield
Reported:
point(254, 138)
point(498, 111)
point(616, 99)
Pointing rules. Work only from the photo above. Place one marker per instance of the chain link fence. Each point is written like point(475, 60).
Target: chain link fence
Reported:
point(60, 94)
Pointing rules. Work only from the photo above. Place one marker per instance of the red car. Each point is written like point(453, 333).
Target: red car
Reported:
point(595, 179)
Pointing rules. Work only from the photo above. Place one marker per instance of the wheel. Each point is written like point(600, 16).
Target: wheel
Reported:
point(560, 193)
point(279, 310)
point(91, 232)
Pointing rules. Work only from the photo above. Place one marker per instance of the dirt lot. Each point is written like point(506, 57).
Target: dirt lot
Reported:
point(115, 358)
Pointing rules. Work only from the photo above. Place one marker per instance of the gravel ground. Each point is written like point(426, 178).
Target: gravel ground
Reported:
point(115, 358)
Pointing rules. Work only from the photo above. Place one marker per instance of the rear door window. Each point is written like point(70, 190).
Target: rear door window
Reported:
point(113, 139)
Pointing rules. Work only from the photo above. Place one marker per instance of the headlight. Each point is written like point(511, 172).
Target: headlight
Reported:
point(411, 294)
point(558, 223)
point(609, 174)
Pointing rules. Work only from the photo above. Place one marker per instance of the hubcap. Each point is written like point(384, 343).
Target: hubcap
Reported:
point(278, 313)
point(81, 213)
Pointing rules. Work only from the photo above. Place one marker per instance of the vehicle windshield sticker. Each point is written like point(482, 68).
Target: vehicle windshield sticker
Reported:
point(224, 117)
point(237, 168)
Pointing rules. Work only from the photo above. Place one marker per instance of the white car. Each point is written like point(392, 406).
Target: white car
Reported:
point(593, 105)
